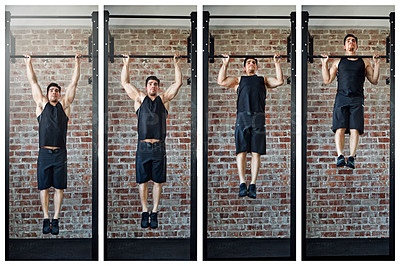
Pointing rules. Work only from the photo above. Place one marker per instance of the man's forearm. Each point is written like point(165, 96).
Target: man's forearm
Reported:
point(222, 74)
point(125, 74)
point(178, 74)
point(279, 74)
point(31, 74)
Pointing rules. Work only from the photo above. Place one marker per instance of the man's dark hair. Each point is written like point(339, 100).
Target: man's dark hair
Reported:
point(350, 35)
point(153, 78)
point(53, 85)
point(247, 58)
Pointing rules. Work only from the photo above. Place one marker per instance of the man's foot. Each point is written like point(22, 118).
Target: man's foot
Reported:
point(252, 191)
point(340, 161)
point(54, 227)
point(145, 220)
point(242, 190)
point(153, 220)
point(46, 226)
point(350, 162)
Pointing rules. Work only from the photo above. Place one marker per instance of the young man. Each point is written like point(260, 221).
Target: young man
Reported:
point(53, 113)
point(250, 135)
point(152, 110)
point(348, 111)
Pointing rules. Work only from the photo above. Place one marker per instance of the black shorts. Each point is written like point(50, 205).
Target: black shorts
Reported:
point(348, 113)
point(52, 169)
point(151, 162)
point(250, 133)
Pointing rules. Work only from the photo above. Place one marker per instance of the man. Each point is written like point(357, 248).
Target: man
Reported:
point(152, 110)
point(53, 113)
point(250, 135)
point(348, 111)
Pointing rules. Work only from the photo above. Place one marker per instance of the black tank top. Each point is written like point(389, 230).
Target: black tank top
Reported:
point(53, 123)
point(152, 119)
point(251, 94)
point(351, 77)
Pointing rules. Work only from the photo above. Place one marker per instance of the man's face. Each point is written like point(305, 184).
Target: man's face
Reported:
point(152, 87)
point(250, 67)
point(350, 44)
point(54, 94)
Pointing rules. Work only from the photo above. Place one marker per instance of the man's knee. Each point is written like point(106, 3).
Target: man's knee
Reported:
point(354, 132)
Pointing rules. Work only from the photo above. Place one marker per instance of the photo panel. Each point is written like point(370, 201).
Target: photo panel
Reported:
point(52, 36)
point(243, 227)
point(151, 36)
point(348, 208)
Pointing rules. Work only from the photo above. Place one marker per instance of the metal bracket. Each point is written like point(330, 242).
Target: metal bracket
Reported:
point(310, 48)
point(111, 47)
point(188, 81)
point(387, 49)
point(12, 39)
point(90, 80)
point(212, 50)
point(90, 48)
point(387, 81)
point(288, 47)
point(188, 49)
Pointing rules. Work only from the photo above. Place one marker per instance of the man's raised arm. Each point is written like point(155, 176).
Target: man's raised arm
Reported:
point(71, 89)
point(36, 90)
point(373, 73)
point(173, 90)
point(328, 75)
point(131, 90)
point(223, 80)
point(278, 80)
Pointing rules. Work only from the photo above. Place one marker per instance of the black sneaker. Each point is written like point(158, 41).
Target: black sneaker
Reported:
point(242, 190)
point(340, 161)
point(252, 191)
point(153, 220)
point(350, 162)
point(46, 226)
point(145, 220)
point(54, 227)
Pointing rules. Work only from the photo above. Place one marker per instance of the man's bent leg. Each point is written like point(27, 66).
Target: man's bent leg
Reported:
point(157, 190)
point(255, 166)
point(339, 140)
point(44, 200)
point(58, 198)
point(241, 165)
point(354, 138)
point(144, 193)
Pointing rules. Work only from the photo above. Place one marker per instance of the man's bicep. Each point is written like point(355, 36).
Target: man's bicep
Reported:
point(230, 82)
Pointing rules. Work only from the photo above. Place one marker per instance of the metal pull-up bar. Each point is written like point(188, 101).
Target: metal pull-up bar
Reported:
point(151, 56)
point(50, 56)
point(50, 17)
point(150, 16)
point(244, 56)
point(349, 56)
point(248, 17)
point(349, 17)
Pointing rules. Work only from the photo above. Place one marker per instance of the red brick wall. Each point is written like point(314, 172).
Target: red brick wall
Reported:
point(342, 202)
point(269, 214)
point(25, 209)
point(124, 208)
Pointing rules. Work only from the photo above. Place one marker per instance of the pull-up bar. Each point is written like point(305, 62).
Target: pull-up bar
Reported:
point(150, 16)
point(151, 56)
point(244, 56)
point(50, 17)
point(249, 17)
point(349, 56)
point(349, 17)
point(50, 56)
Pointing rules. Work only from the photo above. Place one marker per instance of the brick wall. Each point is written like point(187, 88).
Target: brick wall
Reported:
point(269, 214)
point(342, 202)
point(25, 209)
point(124, 208)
